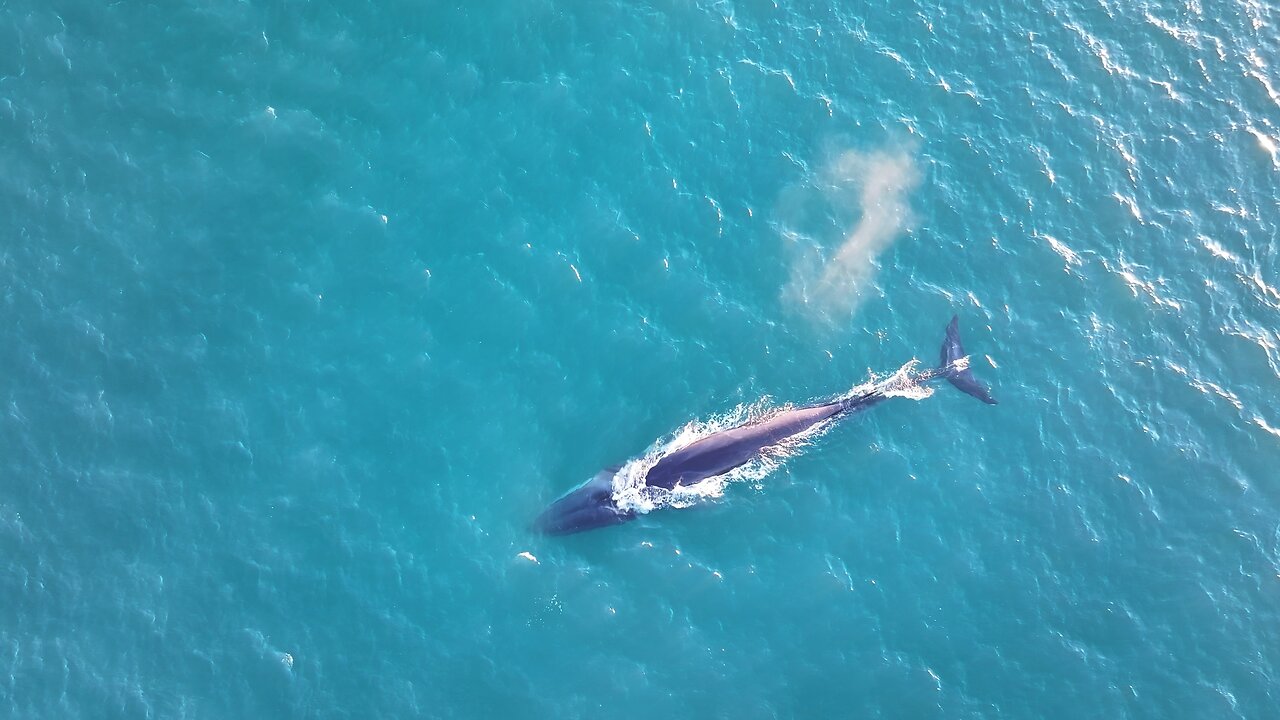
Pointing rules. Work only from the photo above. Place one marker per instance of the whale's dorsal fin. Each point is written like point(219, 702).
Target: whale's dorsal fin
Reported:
point(605, 476)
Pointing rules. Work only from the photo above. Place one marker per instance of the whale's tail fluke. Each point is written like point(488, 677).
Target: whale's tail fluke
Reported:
point(954, 365)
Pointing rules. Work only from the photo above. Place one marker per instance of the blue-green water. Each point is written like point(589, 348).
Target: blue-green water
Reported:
point(306, 309)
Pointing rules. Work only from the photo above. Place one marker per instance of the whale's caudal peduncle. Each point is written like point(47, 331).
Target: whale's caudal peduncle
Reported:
point(594, 504)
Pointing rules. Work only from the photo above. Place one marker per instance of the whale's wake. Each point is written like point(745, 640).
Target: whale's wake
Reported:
point(631, 493)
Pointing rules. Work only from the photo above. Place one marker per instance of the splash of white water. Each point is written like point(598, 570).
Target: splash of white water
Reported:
point(632, 493)
point(904, 383)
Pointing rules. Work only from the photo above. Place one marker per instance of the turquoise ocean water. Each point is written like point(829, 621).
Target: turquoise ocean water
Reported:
point(307, 308)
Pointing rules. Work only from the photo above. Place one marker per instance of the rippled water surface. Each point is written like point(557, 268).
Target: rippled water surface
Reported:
point(306, 309)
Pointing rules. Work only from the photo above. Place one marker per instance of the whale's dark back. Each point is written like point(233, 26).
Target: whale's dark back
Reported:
point(719, 453)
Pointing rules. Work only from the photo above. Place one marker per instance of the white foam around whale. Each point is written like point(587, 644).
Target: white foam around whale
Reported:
point(631, 493)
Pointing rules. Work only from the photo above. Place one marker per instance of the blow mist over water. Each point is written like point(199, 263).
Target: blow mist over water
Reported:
point(831, 283)
point(631, 492)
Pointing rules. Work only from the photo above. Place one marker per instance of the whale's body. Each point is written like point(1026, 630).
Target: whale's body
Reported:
point(593, 505)
point(726, 450)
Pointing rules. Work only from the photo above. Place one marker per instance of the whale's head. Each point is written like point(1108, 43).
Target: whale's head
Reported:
point(589, 507)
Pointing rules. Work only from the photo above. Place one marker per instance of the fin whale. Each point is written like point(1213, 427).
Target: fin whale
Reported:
point(593, 505)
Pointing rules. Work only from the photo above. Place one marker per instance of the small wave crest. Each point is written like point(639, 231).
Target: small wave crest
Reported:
point(632, 493)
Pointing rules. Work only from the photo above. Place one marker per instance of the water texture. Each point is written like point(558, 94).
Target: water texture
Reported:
point(307, 309)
